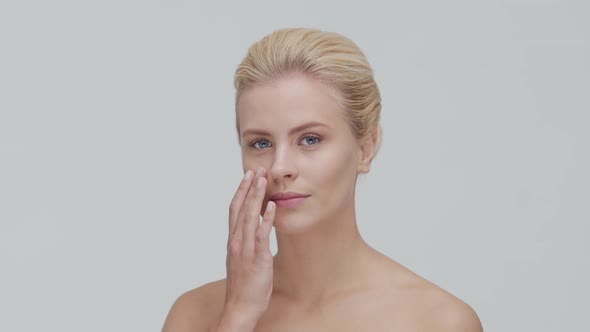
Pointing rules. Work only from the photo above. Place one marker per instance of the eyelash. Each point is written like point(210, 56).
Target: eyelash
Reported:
point(253, 143)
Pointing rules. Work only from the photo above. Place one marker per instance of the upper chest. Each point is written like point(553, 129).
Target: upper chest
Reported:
point(361, 314)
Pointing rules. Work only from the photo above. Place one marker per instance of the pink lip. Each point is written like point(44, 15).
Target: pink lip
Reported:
point(287, 199)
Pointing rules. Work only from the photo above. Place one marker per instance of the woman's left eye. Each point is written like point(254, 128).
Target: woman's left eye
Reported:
point(310, 140)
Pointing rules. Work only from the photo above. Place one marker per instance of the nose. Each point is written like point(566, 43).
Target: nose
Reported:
point(283, 166)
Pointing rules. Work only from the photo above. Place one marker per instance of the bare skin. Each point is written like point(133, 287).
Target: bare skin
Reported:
point(324, 277)
point(397, 300)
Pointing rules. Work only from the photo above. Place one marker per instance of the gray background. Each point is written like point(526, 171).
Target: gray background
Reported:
point(118, 155)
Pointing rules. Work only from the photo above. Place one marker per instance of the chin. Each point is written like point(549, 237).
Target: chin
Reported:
point(294, 223)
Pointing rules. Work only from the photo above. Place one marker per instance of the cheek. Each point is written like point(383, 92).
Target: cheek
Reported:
point(252, 161)
point(335, 170)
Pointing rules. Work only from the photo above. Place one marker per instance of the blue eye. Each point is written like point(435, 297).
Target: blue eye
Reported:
point(310, 140)
point(260, 144)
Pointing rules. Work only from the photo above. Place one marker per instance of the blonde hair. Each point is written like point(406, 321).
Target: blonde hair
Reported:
point(326, 56)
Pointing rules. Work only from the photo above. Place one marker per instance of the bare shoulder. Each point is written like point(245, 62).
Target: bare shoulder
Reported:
point(428, 305)
point(196, 309)
point(449, 313)
point(445, 311)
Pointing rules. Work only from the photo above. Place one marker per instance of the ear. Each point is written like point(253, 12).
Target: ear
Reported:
point(367, 152)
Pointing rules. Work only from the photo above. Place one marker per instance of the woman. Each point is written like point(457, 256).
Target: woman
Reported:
point(307, 116)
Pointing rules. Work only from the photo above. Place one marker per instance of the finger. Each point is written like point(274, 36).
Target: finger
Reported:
point(238, 200)
point(252, 209)
point(242, 217)
point(262, 244)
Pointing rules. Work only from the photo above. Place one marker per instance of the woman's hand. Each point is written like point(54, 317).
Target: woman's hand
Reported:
point(249, 259)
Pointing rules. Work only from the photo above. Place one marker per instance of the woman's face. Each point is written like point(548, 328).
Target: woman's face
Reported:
point(294, 128)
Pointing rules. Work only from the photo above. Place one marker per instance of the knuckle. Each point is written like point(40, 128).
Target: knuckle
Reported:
point(233, 204)
point(260, 236)
point(234, 247)
point(233, 208)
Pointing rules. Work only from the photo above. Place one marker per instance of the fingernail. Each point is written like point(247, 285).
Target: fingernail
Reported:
point(248, 175)
point(259, 171)
point(259, 183)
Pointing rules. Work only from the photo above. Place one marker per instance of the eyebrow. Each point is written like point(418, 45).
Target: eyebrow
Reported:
point(291, 132)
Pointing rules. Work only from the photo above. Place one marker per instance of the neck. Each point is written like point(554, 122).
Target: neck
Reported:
point(321, 262)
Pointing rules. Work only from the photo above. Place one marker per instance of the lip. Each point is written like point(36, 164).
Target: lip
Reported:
point(285, 196)
point(288, 199)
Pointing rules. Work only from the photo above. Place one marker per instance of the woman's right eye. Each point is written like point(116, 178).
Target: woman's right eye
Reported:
point(260, 144)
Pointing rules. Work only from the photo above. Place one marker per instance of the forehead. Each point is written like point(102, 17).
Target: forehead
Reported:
point(287, 102)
